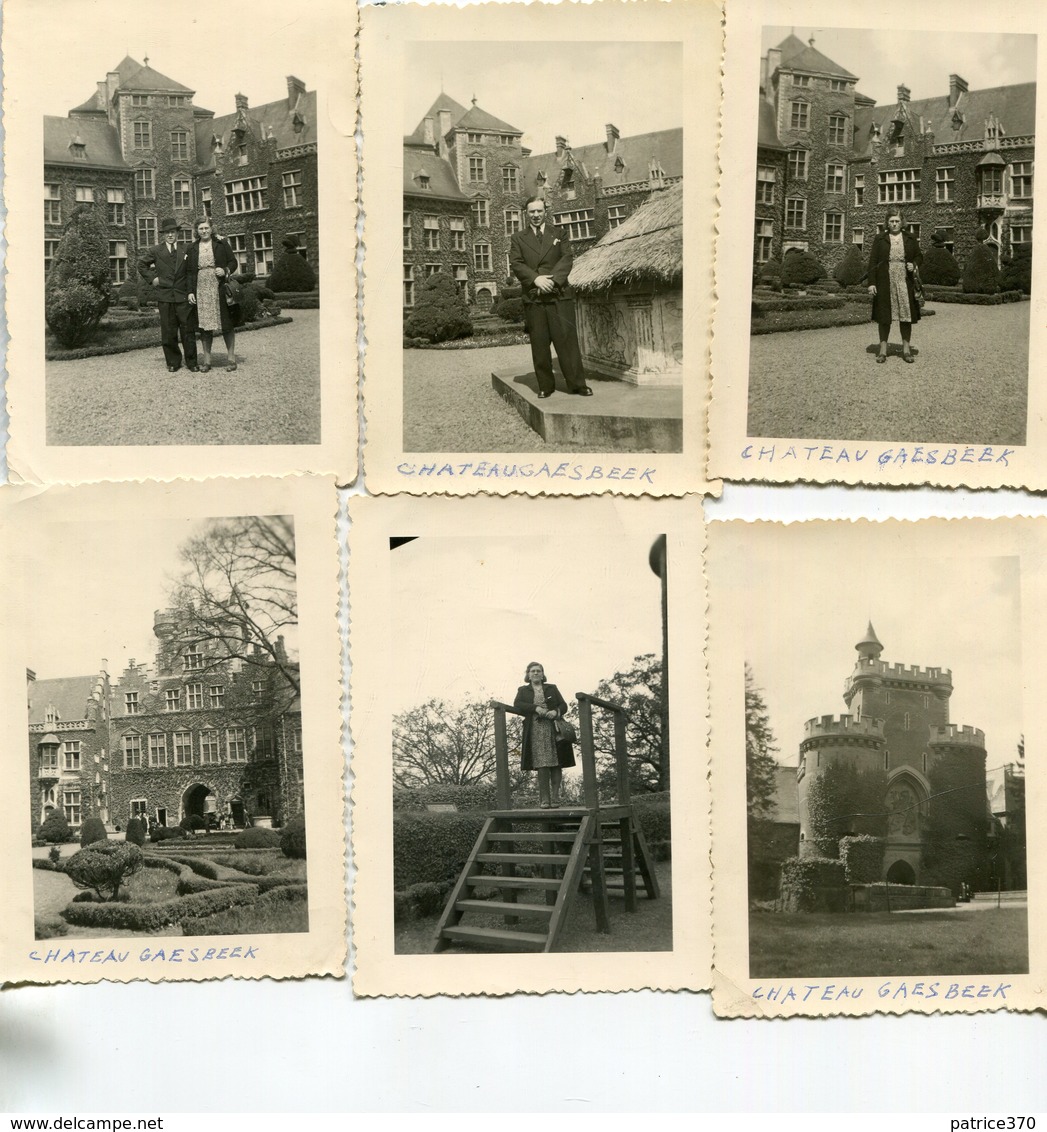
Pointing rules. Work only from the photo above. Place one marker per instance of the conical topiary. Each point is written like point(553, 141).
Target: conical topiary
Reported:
point(77, 291)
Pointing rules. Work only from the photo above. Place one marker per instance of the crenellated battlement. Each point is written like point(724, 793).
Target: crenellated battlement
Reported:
point(842, 726)
point(866, 668)
point(954, 733)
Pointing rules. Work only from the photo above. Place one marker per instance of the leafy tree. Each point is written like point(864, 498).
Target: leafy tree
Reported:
point(639, 690)
point(761, 772)
point(851, 269)
point(846, 800)
point(439, 313)
point(55, 829)
point(102, 868)
point(441, 743)
point(77, 291)
point(237, 596)
point(93, 830)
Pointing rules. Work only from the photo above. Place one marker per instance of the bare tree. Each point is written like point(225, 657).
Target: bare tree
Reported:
point(440, 743)
point(237, 593)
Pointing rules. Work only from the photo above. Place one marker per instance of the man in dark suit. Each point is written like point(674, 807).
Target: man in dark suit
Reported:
point(163, 267)
point(540, 257)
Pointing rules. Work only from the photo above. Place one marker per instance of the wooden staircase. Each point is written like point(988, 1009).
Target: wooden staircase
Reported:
point(558, 845)
point(628, 864)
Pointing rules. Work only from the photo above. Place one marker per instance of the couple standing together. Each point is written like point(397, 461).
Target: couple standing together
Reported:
point(192, 289)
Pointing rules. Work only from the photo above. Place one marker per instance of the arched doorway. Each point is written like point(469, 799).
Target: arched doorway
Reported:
point(901, 872)
point(199, 801)
point(484, 298)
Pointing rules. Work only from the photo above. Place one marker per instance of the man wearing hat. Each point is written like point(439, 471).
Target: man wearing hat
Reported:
point(163, 268)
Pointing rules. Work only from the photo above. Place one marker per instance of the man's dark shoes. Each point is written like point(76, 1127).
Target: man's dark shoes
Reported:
point(586, 392)
point(194, 369)
point(173, 369)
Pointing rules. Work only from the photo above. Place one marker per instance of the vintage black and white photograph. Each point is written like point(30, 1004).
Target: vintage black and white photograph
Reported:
point(536, 227)
point(172, 774)
point(893, 236)
point(531, 802)
point(525, 777)
point(879, 694)
point(167, 300)
point(166, 783)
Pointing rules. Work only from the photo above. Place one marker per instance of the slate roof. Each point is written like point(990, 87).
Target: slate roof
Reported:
point(767, 128)
point(133, 76)
point(477, 119)
point(444, 102)
point(635, 152)
point(68, 694)
point(101, 140)
point(1014, 106)
point(800, 56)
point(421, 160)
point(274, 117)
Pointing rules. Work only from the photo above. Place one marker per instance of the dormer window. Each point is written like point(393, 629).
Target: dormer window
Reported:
point(619, 165)
point(297, 122)
point(77, 150)
point(424, 180)
point(51, 715)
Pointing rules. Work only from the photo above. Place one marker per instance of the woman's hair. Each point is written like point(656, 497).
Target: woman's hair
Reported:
point(527, 671)
point(202, 220)
point(892, 212)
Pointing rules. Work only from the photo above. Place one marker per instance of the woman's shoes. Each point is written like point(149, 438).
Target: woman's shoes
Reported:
point(907, 357)
point(546, 805)
point(881, 358)
point(205, 369)
point(231, 369)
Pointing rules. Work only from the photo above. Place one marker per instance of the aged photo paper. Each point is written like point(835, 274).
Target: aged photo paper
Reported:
point(467, 125)
point(873, 689)
point(169, 680)
point(136, 132)
point(513, 823)
point(881, 349)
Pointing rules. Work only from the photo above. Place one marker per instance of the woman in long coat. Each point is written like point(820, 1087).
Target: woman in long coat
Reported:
point(541, 749)
point(893, 259)
point(209, 264)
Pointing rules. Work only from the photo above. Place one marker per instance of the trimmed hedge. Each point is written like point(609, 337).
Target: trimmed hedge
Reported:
point(431, 847)
point(93, 830)
point(936, 295)
point(653, 815)
point(1017, 270)
point(940, 267)
point(150, 917)
point(862, 858)
point(53, 355)
point(801, 267)
point(477, 796)
point(166, 833)
point(804, 877)
point(799, 303)
point(292, 273)
point(981, 276)
point(255, 837)
point(103, 867)
point(292, 838)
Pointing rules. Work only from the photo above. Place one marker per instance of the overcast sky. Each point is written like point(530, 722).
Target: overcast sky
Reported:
point(217, 50)
point(545, 89)
point(922, 61)
point(91, 590)
point(471, 613)
point(804, 617)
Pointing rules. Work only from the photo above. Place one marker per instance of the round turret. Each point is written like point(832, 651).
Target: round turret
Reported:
point(869, 647)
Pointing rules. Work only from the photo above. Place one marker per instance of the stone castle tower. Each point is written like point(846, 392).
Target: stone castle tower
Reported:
point(899, 724)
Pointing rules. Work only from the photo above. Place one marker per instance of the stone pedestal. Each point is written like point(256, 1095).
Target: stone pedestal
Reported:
point(633, 333)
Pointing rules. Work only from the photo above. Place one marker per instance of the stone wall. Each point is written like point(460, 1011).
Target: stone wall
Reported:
point(633, 333)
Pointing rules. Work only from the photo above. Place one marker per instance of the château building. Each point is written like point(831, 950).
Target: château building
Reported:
point(140, 150)
point(191, 734)
point(830, 161)
point(467, 177)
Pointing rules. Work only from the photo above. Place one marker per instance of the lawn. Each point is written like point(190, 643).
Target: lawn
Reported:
point(650, 929)
point(823, 945)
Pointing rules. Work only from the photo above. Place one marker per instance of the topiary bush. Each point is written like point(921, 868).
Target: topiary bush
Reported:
point(93, 830)
point(510, 306)
point(255, 837)
point(981, 276)
point(55, 830)
point(77, 291)
point(54, 854)
point(292, 838)
point(771, 272)
point(439, 314)
point(851, 269)
point(292, 272)
point(800, 268)
point(1017, 270)
point(136, 831)
point(939, 266)
point(150, 917)
point(167, 832)
point(103, 868)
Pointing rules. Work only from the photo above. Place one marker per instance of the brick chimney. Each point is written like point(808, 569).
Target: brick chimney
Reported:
point(295, 90)
point(903, 93)
point(241, 102)
point(445, 129)
point(112, 84)
point(561, 147)
point(612, 137)
point(427, 131)
point(957, 86)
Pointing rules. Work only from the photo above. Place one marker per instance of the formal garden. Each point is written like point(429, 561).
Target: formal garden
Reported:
point(88, 315)
point(183, 880)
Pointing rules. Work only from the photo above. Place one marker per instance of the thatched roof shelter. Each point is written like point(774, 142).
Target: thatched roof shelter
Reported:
point(648, 247)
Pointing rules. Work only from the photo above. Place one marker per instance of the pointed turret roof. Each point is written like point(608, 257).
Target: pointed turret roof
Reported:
point(479, 119)
point(444, 102)
point(800, 56)
point(870, 640)
point(135, 76)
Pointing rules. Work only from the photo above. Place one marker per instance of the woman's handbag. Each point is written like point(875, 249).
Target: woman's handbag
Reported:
point(233, 291)
point(917, 288)
point(565, 732)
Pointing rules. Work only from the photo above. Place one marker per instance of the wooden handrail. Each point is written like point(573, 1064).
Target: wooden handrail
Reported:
point(586, 697)
point(507, 707)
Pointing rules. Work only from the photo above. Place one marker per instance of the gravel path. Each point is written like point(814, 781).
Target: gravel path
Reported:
point(968, 385)
point(273, 398)
point(450, 406)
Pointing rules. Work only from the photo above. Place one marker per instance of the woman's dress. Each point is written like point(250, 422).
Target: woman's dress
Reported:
point(897, 278)
point(543, 735)
point(208, 311)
